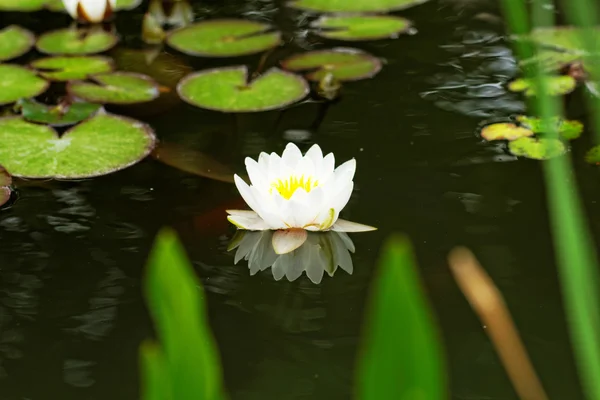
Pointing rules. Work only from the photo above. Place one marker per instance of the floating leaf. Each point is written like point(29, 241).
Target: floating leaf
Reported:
point(76, 42)
point(504, 131)
point(556, 85)
point(5, 182)
point(538, 149)
point(224, 38)
point(57, 115)
point(19, 82)
point(347, 6)
point(115, 88)
point(345, 64)
point(14, 42)
point(100, 145)
point(593, 155)
point(567, 129)
point(22, 5)
point(360, 27)
point(57, 5)
point(227, 89)
point(63, 68)
point(564, 38)
point(192, 161)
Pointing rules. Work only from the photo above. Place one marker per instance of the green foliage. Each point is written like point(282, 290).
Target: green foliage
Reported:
point(186, 365)
point(557, 85)
point(75, 42)
point(56, 115)
point(360, 27)
point(22, 5)
point(14, 42)
point(504, 131)
point(115, 88)
point(537, 149)
point(18, 83)
point(401, 357)
point(346, 6)
point(63, 68)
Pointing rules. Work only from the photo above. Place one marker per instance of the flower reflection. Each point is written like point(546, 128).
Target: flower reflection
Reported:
point(321, 252)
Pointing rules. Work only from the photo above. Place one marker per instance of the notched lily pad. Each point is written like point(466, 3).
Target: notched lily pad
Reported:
point(567, 129)
point(224, 38)
point(360, 27)
point(556, 85)
point(345, 64)
point(348, 6)
point(76, 41)
point(14, 42)
point(115, 88)
point(65, 68)
point(22, 5)
point(18, 82)
point(100, 145)
point(537, 149)
point(227, 89)
point(56, 115)
point(504, 131)
point(5, 182)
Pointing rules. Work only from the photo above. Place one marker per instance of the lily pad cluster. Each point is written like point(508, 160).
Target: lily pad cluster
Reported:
point(527, 136)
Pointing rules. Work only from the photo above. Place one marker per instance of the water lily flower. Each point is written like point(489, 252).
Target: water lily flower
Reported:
point(90, 10)
point(322, 252)
point(294, 194)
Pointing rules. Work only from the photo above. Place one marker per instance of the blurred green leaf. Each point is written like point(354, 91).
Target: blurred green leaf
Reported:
point(402, 356)
point(175, 299)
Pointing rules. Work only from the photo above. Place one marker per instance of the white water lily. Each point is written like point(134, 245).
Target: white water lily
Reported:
point(295, 193)
point(90, 10)
point(322, 252)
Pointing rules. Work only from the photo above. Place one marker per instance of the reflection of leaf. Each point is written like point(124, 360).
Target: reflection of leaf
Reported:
point(187, 353)
point(401, 356)
point(192, 161)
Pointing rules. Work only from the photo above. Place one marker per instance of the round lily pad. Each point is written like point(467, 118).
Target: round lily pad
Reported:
point(504, 131)
point(537, 149)
point(115, 88)
point(567, 129)
point(593, 155)
point(345, 64)
point(18, 82)
point(98, 146)
point(5, 182)
point(64, 68)
point(227, 89)
point(224, 38)
point(346, 6)
point(360, 27)
point(57, 5)
point(557, 85)
point(22, 5)
point(57, 115)
point(14, 42)
point(76, 42)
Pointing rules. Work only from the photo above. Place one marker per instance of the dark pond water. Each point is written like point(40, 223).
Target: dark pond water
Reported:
point(72, 254)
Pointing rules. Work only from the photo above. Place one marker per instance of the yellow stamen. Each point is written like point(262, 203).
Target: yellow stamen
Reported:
point(287, 187)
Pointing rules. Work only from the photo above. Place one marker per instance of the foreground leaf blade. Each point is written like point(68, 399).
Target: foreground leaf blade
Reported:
point(402, 357)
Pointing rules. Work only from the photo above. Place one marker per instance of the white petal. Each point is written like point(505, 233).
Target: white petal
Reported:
point(346, 170)
point(255, 174)
point(327, 167)
point(341, 225)
point(94, 9)
point(71, 7)
point(291, 155)
point(246, 193)
point(247, 221)
point(315, 155)
point(285, 241)
point(342, 197)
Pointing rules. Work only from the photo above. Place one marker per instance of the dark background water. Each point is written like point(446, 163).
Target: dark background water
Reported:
point(72, 254)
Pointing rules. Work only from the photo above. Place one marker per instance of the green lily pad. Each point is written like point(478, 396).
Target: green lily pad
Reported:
point(593, 155)
point(22, 5)
point(100, 145)
point(557, 85)
point(360, 27)
point(115, 88)
point(57, 5)
point(504, 131)
point(567, 129)
point(224, 38)
point(348, 6)
point(227, 89)
point(63, 68)
point(19, 82)
point(537, 149)
point(75, 42)
point(14, 42)
point(5, 182)
point(57, 115)
point(345, 64)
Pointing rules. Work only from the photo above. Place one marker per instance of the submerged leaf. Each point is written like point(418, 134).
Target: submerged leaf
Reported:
point(19, 82)
point(504, 131)
point(227, 89)
point(98, 146)
point(64, 68)
point(115, 88)
point(556, 85)
point(537, 149)
point(345, 64)
point(14, 42)
point(224, 38)
point(56, 115)
point(360, 27)
point(75, 42)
